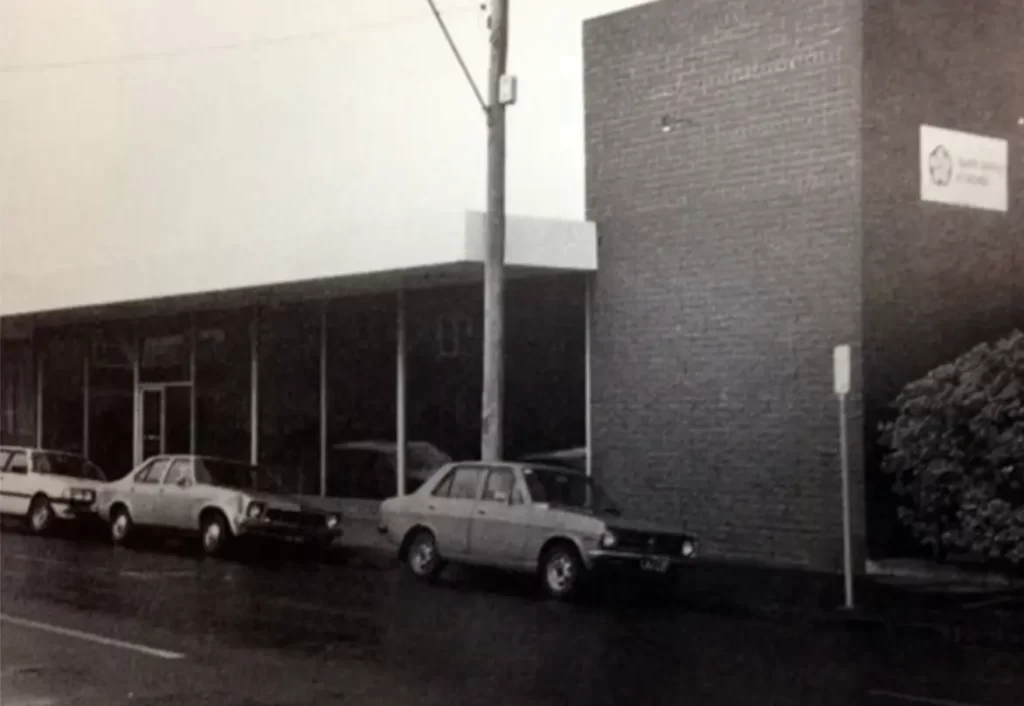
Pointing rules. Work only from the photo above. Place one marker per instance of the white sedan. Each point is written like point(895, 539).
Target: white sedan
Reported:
point(44, 486)
point(552, 521)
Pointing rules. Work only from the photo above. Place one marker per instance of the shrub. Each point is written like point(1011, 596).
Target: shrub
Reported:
point(956, 449)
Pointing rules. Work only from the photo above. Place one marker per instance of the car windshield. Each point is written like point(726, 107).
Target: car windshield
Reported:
point(62, 464)
point(567, 489)
point(236, 474)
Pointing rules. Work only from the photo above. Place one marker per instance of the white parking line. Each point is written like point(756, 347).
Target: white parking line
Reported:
point(910, 698)
point(90, 637)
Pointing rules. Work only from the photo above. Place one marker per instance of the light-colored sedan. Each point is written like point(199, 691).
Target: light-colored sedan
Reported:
point(215, 498)
point(45, 486)
point(552, 521)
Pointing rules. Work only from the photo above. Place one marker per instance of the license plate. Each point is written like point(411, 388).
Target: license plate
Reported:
point(658, 564)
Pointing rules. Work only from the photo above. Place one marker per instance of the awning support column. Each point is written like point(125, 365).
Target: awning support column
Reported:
point(86, 389)
point(323, 398)
point(401, 431)
point(254, 386)
point(587, 394)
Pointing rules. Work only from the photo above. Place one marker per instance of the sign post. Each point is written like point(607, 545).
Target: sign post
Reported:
point(841, 377)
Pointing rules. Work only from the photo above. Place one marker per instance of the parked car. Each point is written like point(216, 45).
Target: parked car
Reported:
point(367, 469)
point(574, 458)
point(217, 499)
point(552, 521)
point(45, 486)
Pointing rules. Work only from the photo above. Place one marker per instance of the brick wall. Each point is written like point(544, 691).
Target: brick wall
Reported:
point(723, 174)
point(937, 279)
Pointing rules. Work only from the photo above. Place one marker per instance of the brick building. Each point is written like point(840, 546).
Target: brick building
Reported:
point(753, 170)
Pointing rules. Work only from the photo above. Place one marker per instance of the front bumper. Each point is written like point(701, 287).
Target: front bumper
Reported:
point(75, 510)
point(611, 560)
point(288, 532)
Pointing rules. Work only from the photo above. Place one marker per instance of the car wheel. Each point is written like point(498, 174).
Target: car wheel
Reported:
point(120, 525)
point(40, 515)
point(214, 533)
point(561, 571)
point(423, 558)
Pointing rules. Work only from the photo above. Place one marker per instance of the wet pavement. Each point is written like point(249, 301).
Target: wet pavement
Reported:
point(86, 623)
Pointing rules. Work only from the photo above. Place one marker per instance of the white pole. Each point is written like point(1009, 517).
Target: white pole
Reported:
point(323, 398)
point(254, 387)
point(587, 386)
point(841, 373)
point(401, 431)
point(847, 539)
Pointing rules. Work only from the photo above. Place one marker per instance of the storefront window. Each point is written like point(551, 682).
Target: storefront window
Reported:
point(62, 359)
point(17, 392)
point(111, 398)
point(223, 384)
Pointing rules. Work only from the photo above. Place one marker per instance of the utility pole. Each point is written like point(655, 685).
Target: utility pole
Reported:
point(501, 91)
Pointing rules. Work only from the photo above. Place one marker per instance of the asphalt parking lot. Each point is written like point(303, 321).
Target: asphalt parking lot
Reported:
point(86, 623)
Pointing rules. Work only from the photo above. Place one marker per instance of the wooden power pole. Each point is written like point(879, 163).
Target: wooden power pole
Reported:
point(501, 92)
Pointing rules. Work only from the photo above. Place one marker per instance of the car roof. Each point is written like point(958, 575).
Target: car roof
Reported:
point(560, 454)
point(376, 445)
point(523, 465)
point(30, 449)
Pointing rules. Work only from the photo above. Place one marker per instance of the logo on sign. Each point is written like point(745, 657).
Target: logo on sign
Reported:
point(940, 166)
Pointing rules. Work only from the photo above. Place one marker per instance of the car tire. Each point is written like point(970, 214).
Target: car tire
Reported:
point(214, 533)
point(121, 525)
point(40, 517)
point(422, 557)
point(561, 571)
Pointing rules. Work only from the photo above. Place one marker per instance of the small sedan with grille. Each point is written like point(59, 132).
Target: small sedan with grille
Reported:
point(45, 487)
point(218, 500)
point(551, 521)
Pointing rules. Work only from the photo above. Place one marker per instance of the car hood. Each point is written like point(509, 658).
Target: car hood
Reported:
point(278, 501)
point(73, 481)
point(625, 523)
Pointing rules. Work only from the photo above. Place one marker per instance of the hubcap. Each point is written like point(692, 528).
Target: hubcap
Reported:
point(212, 535)
point(40, 516)
point(560, 573)
point(120, 527)
point(422, 556)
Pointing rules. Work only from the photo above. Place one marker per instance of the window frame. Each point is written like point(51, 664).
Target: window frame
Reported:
point(481, 472)
point(141, 477)
point(495, 470)
point(189, 474)
point(18, 453)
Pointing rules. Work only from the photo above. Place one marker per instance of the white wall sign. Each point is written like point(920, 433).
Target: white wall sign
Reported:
point(963, 169)
point(841, 369)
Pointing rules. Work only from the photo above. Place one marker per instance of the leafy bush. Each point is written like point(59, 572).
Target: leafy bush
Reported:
point(956, 449)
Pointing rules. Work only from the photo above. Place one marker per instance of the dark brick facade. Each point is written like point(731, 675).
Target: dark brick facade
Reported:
point(724, 176)
point(937, 279)
point(753, 169)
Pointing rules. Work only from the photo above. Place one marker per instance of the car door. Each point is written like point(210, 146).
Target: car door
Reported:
point(450, 506)
point(500, 522)
point(144, 492)
point(178, 496)
point(15, 490)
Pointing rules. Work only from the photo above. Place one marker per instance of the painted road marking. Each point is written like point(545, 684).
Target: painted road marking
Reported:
point(90, 637)
point(910, 698)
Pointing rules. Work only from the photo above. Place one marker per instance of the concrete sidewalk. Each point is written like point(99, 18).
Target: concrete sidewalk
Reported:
point(904, 601)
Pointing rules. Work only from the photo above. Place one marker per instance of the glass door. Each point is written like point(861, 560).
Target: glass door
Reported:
point(166, 423)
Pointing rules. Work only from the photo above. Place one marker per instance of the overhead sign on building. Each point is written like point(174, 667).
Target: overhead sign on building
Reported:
point(964, 169)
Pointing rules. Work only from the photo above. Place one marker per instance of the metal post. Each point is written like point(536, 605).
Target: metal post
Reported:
point(847, 539)
point(137, 402)
point(492, 399)
point(192, 417)
point(254, 387)
point(38, 359)
point(401, 431)
point(588, 399)
point(323, 398)
point(86, 390)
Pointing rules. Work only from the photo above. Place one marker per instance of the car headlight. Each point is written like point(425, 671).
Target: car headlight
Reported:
point(82, 495)
point(609, 540)
point(333, 521)
point(255, 511)
point(689, 548)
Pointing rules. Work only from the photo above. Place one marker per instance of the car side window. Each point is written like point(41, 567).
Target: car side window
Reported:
point(4, 455)
point(465, 483)
point(18, 463)
point(500, 482)
point(154, 472)
point(444, 488)
point(179, 471)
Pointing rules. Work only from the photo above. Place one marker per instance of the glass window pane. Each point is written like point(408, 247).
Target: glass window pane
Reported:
point(154, 472)
point(444, 488)
point(466, 483)
point(178, 472)
point(18, 463)
point(499, 485)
